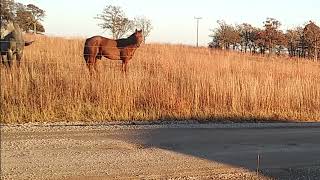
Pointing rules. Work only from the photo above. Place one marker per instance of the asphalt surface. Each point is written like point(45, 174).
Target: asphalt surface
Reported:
point(160, 152)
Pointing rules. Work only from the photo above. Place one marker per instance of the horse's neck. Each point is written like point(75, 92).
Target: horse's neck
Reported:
point(126, 43)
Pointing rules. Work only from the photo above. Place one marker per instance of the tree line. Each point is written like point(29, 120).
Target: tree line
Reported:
point(28, 17)
point(297, 42)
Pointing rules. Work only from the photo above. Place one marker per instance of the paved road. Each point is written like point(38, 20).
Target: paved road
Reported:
point(148, 152)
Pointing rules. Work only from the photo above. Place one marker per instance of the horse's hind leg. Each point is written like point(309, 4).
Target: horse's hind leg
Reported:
point(91, 64)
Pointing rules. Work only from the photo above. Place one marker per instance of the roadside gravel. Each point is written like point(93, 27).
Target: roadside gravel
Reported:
point(69, 126)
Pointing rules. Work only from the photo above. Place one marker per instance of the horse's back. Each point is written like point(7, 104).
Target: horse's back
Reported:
point(100, 41)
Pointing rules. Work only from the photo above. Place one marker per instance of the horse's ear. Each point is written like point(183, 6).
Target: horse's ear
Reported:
point(136, 30)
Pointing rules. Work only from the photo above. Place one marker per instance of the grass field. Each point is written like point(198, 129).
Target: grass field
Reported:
point(167, 82)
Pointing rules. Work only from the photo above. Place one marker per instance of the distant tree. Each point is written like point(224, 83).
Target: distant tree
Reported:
point(40, 28)
point(143, 23)
point(27, 17)
point(234, 37)
point(253, 39)
point(114, 19)
point(311, 34)
point(247, 35)
point(225, 36)
point(261, 41)
point(295, 42)
point(37, 15)
point(281, 42)
point(23, 17)
point(7, 8)
point(271, 33)
point(215, 43)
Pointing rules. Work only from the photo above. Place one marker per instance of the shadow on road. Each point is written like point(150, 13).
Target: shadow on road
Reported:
point(284, 153)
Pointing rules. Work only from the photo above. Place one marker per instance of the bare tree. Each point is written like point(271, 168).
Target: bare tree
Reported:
point(143, 23)
point(115, 20)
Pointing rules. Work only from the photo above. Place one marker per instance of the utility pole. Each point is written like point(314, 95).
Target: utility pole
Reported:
point(197, 18)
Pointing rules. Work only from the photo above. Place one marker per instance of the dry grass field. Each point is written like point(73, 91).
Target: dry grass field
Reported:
point(169, 82)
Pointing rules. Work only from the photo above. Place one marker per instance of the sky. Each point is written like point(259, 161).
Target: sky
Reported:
point(173, 20)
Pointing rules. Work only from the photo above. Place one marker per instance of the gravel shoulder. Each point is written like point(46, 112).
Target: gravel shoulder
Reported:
point(69, 126)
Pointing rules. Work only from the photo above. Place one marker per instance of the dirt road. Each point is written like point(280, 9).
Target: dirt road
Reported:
point(201, 151)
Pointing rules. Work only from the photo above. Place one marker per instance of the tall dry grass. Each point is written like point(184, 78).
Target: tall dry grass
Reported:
point(164, 82)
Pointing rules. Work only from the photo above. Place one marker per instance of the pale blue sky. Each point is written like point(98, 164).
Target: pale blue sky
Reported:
point(173, 20)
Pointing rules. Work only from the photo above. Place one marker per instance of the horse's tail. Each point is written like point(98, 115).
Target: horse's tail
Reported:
point(86, 51)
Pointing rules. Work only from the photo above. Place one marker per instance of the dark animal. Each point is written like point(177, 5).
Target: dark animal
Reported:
point(11, 43)
point(97, 47)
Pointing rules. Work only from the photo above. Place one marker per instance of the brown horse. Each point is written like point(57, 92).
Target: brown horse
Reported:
point(97, 47)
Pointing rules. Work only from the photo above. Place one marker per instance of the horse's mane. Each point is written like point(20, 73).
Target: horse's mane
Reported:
point(129, 37)
point(127, 41)
point(132, 35)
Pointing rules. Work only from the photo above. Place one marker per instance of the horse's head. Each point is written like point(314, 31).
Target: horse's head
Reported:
point(138, 36)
